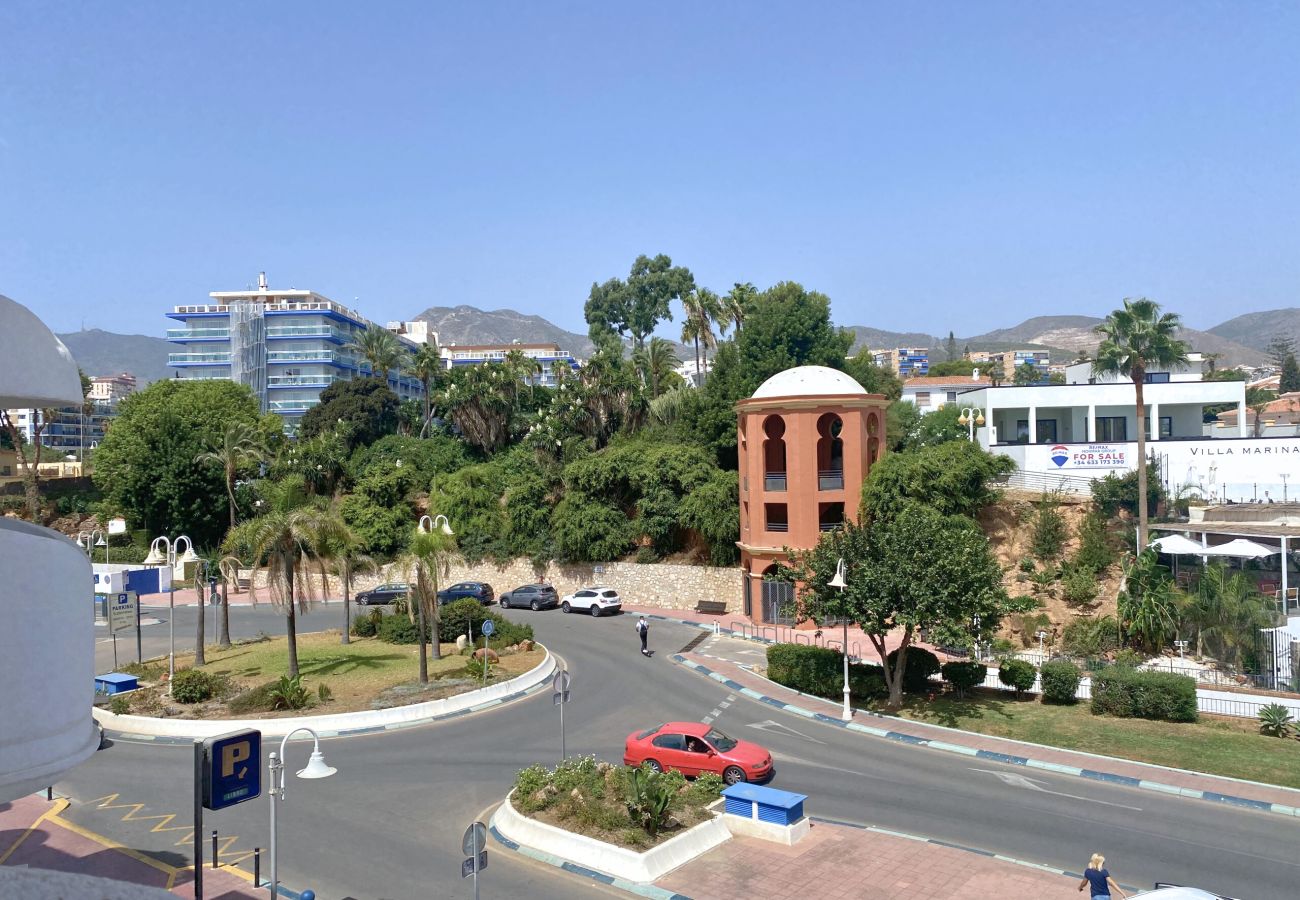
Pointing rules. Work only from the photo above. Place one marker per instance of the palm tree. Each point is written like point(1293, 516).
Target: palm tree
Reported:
point(286, 539)
point(344, 557)
point(380, 348)
point(241, 445)
point(200, 592)
point(702, 308)
point(425, 366)
point(1134, 339)
point(655, 362)
point(1226, 610)
point(426, 559)
point(737, 304)
point(229, 567)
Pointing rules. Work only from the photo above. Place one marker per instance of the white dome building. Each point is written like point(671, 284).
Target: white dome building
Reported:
point(806, 441)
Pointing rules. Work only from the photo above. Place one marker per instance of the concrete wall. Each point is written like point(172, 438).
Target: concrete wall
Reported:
point(661, 585)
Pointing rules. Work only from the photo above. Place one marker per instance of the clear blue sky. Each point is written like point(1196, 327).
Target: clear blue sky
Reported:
point(928, 165)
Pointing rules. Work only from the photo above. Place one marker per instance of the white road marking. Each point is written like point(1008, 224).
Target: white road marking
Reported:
point(1020, 781)
point(778, 728)
point(724, 704)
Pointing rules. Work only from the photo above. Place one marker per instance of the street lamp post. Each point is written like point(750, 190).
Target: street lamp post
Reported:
point(316, 768)
point(1041, 635)
point(972, 417)
point(838, 582)
point(167, 556)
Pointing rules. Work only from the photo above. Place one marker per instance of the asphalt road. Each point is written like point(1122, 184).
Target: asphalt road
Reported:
point(389, 824)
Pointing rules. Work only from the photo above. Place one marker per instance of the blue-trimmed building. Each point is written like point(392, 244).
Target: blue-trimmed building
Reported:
point(286, 345)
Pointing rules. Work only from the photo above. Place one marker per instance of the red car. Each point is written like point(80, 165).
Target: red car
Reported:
point(692, 748)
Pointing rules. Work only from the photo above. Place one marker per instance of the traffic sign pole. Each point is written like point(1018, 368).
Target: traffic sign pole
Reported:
point(199, 759)
point(560, 698)
point(487, 629)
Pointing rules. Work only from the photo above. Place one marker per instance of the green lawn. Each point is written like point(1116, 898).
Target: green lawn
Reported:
point(356, 673)
point(1217, 745)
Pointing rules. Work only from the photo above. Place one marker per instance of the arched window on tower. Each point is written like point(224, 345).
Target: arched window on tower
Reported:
point(830, 453)
point(774, 472)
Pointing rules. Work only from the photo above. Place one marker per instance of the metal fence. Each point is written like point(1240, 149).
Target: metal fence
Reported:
point(1040, 481)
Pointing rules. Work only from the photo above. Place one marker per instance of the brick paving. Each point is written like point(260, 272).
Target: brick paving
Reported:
point(836, 861)
point(33, 834)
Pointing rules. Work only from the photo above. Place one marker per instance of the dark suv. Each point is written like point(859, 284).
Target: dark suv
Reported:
point(534, 596)
point(382, 594)
point(478, 590)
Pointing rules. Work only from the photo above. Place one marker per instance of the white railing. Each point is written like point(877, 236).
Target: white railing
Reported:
point(308, 331)
point(1037, 481)
point(179, 359)
point(307, 355)
point(291, 380)
point(180, 334)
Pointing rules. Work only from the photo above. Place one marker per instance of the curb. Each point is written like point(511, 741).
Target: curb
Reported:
point(641, 890)
point(536, 678)
point(1010, 759)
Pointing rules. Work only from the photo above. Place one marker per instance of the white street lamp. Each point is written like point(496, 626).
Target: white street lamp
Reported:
point(445, 527)
point(1041, 635)
point(838, 582)
point(972, 417)
point(315, 768)
point(167, 557)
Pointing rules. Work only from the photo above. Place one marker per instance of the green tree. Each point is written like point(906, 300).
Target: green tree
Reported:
point(1279, 348)
point(876, 379)
point(907, 428)
point(634, 307)
point(917, 570)
point(957, 368)
point(380, 348)
point(951, 478)
point(657, 364)
point(286, 540)
point(29, 456)
point(736, 305)
point(342, 552)
point(702, 308)
point(1225, 612)
point(361, 411)
point(240, 449)
point(426, 365)
point(427, 559)
point(1290, 376)
point(321, 461)
point(1026, 374)
point(145, 464)
point(1133, 340)
point(950, 348)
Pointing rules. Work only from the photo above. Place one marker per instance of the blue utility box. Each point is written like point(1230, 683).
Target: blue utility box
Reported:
point(753, 801)
point(115, 683)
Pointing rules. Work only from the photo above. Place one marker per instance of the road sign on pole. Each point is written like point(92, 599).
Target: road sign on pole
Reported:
point(474, 846)
point(122, 609)
point(560, 697)
point(488, 627)
point(232, 769)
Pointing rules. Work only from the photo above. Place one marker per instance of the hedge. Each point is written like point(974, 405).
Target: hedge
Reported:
point(1060, 679)
point(197, 685)
point(820, 671)
point(453, 619)
point(1129, 693)
point(921, 664)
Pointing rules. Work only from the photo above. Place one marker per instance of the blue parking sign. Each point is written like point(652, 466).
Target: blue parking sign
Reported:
point(232, 768)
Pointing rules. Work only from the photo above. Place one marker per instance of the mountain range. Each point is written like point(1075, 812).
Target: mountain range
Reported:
point(1242, 340)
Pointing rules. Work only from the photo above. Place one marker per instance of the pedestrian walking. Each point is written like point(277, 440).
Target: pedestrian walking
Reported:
point(1098, 878)
point(643, 629)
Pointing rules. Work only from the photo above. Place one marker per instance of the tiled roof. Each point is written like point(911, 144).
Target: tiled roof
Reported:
point(922, 381)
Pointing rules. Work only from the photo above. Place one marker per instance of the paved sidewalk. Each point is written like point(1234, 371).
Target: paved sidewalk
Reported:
point(735, 662)
point(34, 834)
point(837, 862)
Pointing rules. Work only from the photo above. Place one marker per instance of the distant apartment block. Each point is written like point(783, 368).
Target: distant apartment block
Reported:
point(905, 362)
point(111, 389)
point(286, 345)
point(552, 361)
point(930, 393)
point(1013, 359)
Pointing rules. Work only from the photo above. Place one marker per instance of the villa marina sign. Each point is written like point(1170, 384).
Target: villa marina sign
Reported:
point(1259, 447)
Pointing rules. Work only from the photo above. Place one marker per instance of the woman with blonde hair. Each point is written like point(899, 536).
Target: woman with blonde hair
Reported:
point(1099, 879)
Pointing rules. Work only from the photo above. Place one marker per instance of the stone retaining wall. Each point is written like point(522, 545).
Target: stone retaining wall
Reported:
point(662, 585)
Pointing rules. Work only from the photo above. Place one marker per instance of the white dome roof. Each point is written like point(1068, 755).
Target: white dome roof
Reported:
point(808, 381)
point(36, 370)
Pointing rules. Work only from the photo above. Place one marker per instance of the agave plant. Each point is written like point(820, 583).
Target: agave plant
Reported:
point(1275, 720)
point(648, 799)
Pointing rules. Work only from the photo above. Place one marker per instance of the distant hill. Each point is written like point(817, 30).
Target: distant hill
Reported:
point(470, 325)
point(875, 339)
point(1257, 329)
point(106, 353)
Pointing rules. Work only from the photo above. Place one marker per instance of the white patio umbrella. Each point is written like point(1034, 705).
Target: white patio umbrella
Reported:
point(1239, 549)
point(1177, 545)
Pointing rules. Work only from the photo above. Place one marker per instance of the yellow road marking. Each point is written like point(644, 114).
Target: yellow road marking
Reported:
point(114, 845)
point(58, 807)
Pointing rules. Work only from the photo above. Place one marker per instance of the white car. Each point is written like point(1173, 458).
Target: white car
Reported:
point(596, 600)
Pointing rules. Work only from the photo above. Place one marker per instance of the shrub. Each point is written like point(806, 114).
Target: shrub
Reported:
point(1085, 637)
point(508, 633)
point(1047, 538)
point(1079, 586)
point(866, 681)
point(648, 798)
point(527, 783)
point(1129, 693)
point(399, 629)
point(1027, 565)
point(257, 699)
point(457, 617)
point(288, 693)
point(1096, 552)
point(1274, 720)
point(1017, 673)
point(196, 685)
point(1128, 658)
point(921, 664)
point(964, 675)
point(1060, 681)
point(324, 693)
point(366, 626)
point(120, 705)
